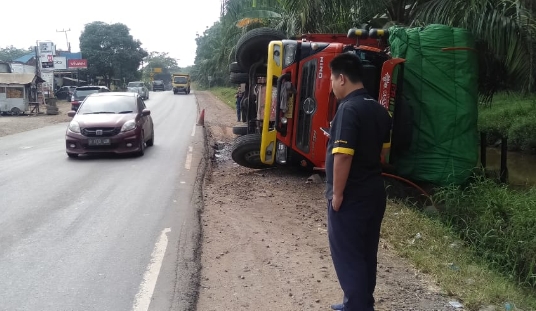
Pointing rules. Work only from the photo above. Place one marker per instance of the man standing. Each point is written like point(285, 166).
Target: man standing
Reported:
point(355, 188)
point(239, 94)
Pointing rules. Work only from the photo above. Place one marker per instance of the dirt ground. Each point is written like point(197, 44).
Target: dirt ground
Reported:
point(15, 124)
point(265, 242)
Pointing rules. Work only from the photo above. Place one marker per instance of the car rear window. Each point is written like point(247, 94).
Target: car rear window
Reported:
point(158, 82)
point(135, 84)
point(85, 92)
point(109, 104)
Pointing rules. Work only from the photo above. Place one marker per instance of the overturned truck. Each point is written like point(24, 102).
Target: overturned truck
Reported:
point(426, 78)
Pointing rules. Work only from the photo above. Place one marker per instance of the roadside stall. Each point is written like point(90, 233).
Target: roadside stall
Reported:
point(15, 92)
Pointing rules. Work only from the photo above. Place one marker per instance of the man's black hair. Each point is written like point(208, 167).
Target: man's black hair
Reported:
point(347, 64)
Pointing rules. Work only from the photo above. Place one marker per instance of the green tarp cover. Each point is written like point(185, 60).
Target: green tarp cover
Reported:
point(440, 84)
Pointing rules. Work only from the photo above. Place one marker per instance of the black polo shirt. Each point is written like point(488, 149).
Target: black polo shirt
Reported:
point(360, 128)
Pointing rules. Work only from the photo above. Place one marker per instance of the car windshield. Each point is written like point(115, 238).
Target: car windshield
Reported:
point(158, 82)
point(135, 84)
point(85, 92)
point(180, 80)
point(108, 104)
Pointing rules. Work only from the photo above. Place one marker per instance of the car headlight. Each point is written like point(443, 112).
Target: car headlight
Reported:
point(289, 52)
point(74, 127)
point(128, 126)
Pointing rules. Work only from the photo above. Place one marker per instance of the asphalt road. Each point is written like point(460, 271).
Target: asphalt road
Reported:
point(98, 233)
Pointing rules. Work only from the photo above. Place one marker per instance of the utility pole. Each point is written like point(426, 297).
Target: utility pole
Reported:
point(66, 39)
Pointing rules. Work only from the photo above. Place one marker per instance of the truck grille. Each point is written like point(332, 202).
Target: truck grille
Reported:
point(303, 135)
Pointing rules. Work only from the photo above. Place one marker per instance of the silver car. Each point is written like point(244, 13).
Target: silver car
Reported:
point(138, 87)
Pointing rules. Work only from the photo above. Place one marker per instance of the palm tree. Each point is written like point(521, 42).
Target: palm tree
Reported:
point(504, 30)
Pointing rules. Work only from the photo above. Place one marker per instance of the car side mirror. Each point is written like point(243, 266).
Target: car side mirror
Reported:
point(71, 113)
point(146, 112)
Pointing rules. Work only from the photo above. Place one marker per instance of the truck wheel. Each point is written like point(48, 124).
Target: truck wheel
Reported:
point(246, 151)
point(253, 46)
point(244, 108)
point(240, 130)
point(235, 67)
point(238, 78)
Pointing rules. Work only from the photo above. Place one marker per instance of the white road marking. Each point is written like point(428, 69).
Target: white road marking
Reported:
point(145, 293)
point(188, 162)
point(193, 131)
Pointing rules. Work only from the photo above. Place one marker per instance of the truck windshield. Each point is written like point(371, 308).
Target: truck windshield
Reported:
point(180, 80)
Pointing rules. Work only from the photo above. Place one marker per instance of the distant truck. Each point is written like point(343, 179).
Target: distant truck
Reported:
point(180, 83)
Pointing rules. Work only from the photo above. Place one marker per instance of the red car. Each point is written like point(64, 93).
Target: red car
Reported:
point(111, 122)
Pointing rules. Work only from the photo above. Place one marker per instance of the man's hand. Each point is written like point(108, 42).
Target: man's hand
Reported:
point(336, 202)
point(341, 169)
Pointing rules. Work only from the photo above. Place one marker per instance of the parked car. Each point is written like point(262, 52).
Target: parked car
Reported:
point(114, 122)
point(65, 92)
point(138, 87)
point(158, 85)
point(81, 92)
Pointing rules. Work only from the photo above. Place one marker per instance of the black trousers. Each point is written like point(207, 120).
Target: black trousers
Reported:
point(354, 234)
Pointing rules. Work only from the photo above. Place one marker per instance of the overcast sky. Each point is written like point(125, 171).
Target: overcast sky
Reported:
point(162, 25)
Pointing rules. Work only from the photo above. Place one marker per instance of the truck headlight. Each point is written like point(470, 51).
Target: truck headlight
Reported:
point(281, 153)
point(289, 52)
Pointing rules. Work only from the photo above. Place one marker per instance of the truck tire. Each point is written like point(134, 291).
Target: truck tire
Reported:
point(246, 151)
point(253, 46)
point(235, 67)
point(240, 130)
point(238, 78)
point(244, 108)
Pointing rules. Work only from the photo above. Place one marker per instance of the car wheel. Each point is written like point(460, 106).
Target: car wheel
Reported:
point(72, 155)
point(15, 111)
point(141, 152)
point(246, 151)
point(150, 142)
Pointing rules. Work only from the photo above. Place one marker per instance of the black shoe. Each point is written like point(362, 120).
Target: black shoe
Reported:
point(337, 306)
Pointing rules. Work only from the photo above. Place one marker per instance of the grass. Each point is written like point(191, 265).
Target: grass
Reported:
point(513, 116)
point(479, 244)
point(457, 269)
point(225, 94)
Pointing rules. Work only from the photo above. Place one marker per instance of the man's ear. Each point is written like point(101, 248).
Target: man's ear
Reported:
point(342, 80)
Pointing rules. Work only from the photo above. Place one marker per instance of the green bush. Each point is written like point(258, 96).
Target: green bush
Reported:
point(522, 134)
point(498, 222)
point(510, 115)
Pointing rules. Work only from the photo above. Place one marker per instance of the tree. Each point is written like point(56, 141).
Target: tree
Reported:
point(10, 53)
point(111, 51)
point(160, 60)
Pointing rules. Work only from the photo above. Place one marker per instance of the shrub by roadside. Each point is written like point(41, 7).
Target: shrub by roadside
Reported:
point(498, 223)
point(513, 116)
